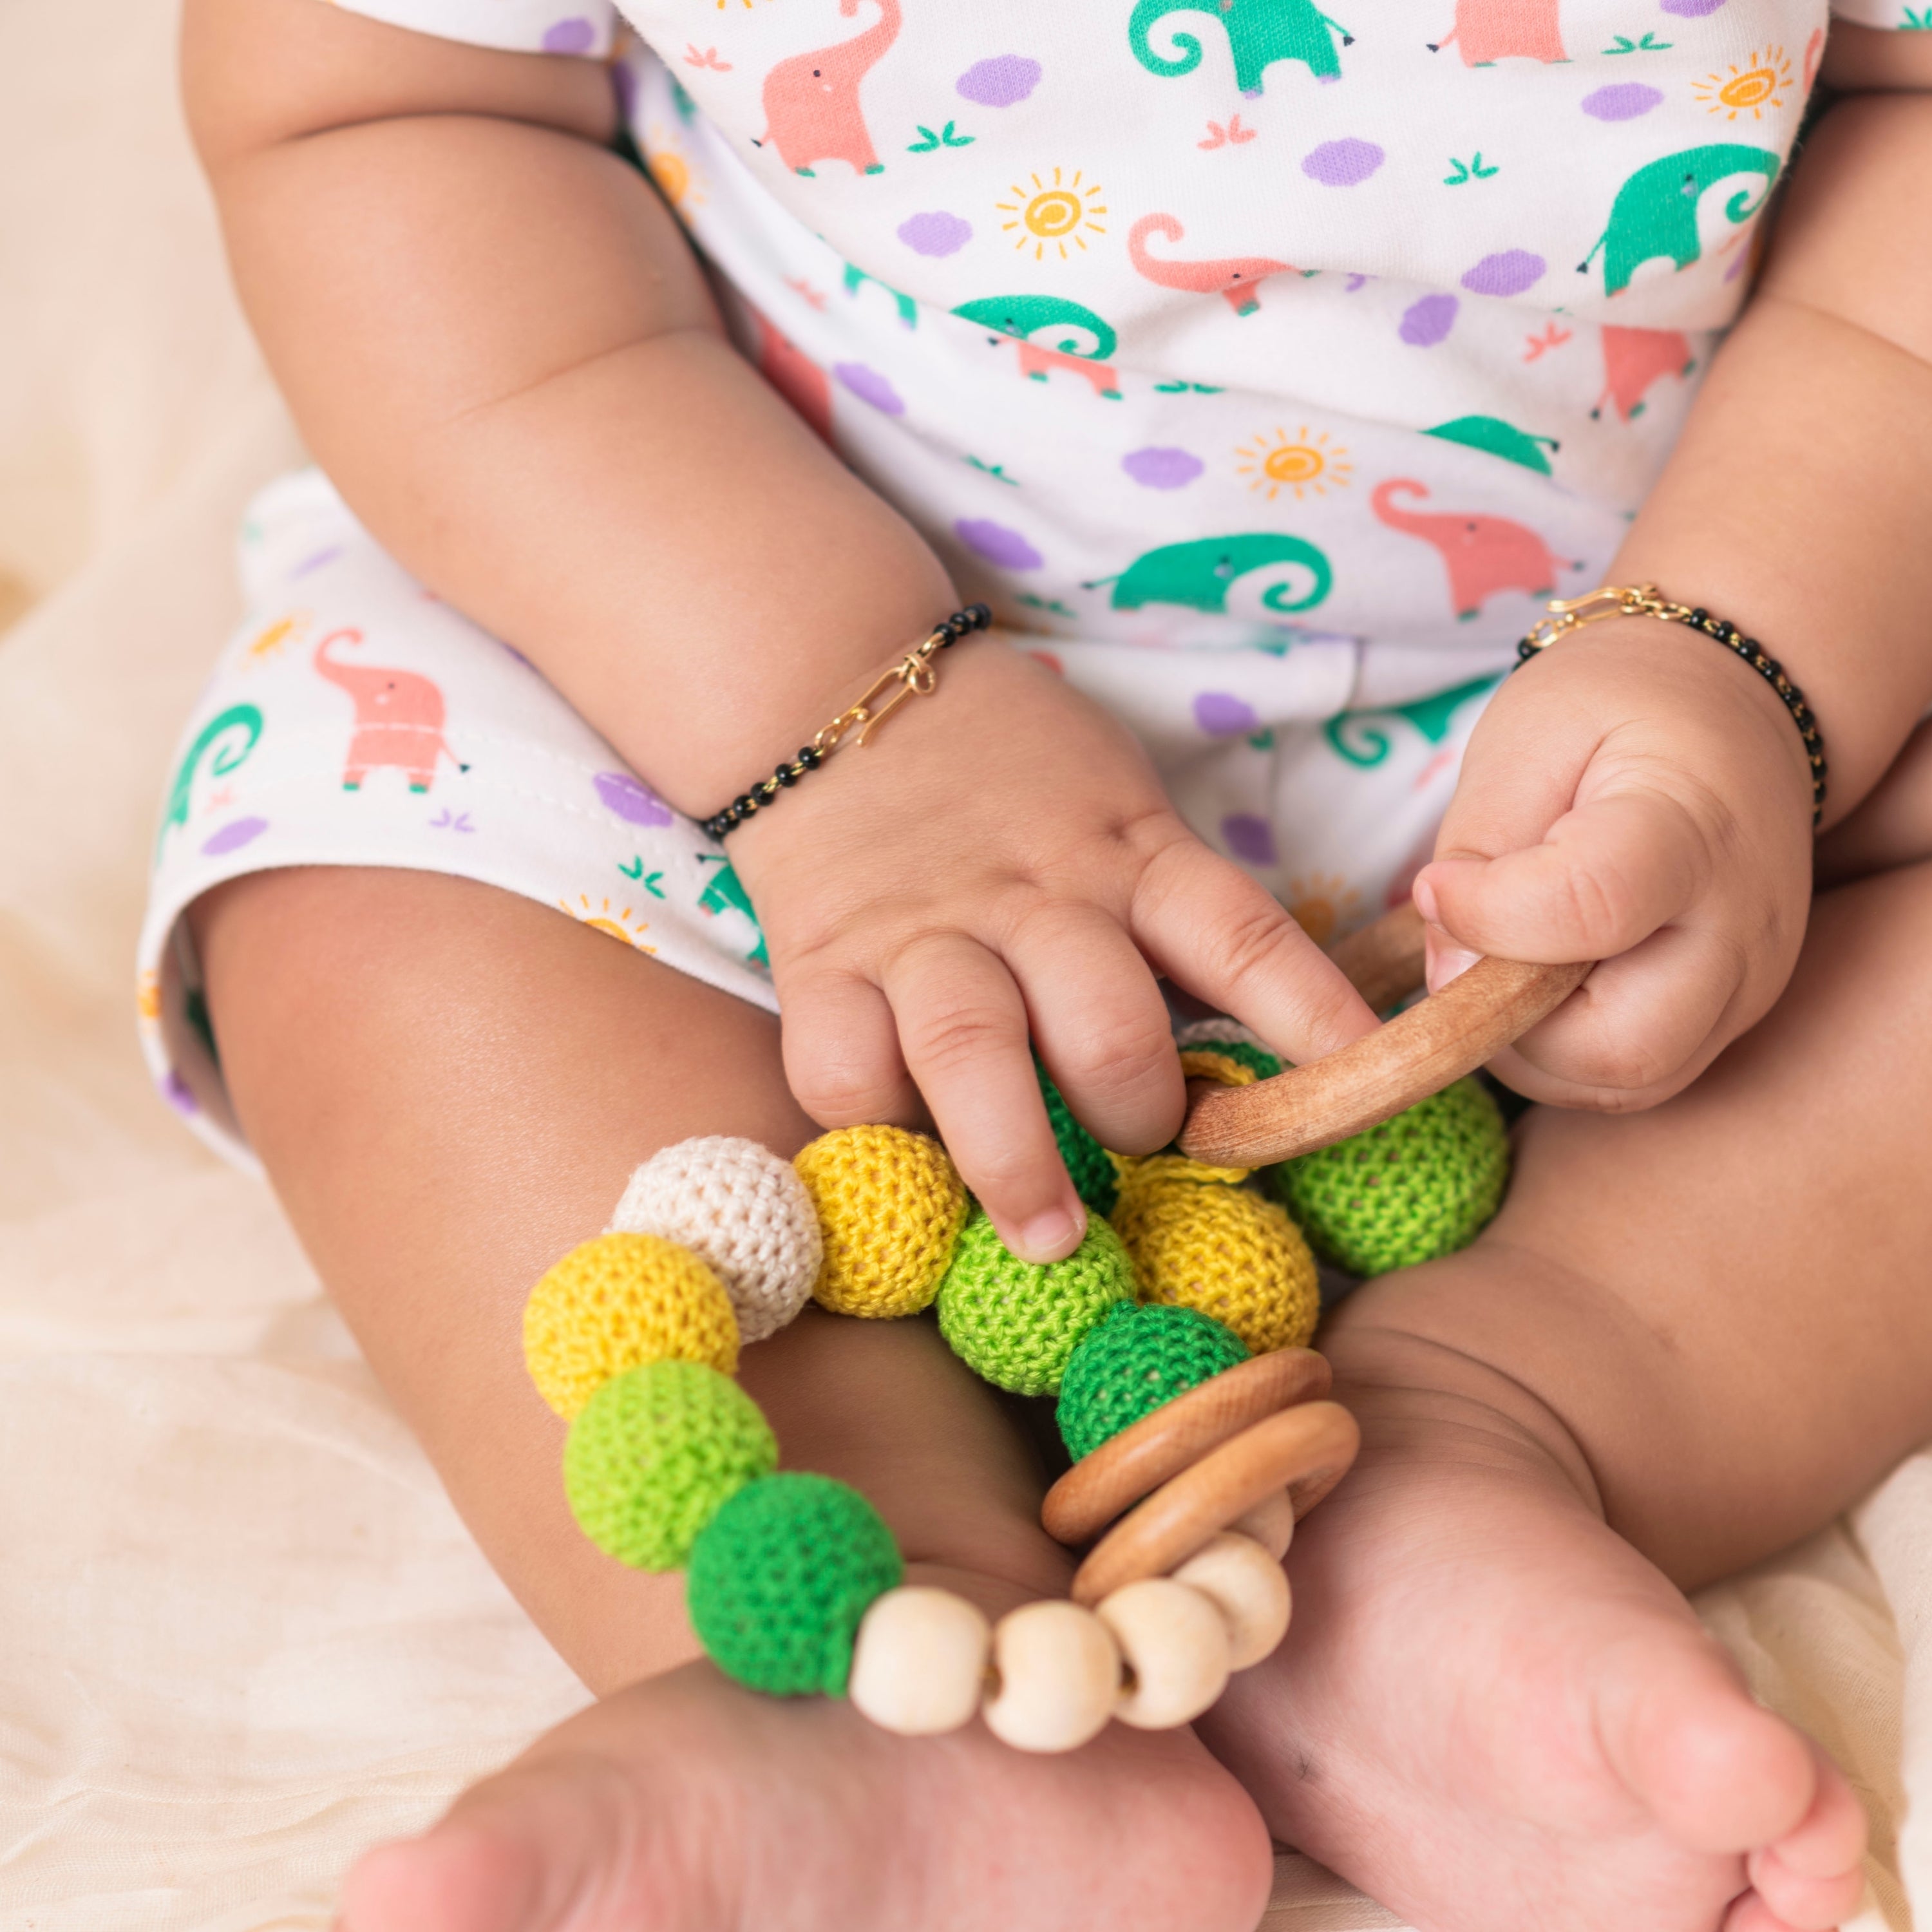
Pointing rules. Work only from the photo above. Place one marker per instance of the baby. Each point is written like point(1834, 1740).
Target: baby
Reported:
point(1264, 373)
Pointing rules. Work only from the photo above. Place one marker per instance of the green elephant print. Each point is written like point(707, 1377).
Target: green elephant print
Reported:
point(1260, 32)
point(724, 892)
point(1655, 212)
point(1499, 438)
point(1077, 339)
point(1198, 575)
point(218, 736)
point(856, 277)
point(1362, 737)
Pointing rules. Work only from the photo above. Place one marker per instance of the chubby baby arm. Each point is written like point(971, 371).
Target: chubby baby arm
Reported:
point(500, 346)
point(1639, 796)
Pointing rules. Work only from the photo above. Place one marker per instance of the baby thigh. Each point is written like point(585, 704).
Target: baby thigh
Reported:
point(449, 1085)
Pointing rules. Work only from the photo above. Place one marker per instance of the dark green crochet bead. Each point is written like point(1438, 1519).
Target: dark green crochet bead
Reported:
point(1423, 1184)
point(1087, 1163)
point(780, 1578)
point(1134, 1361)
point(1265, 1064)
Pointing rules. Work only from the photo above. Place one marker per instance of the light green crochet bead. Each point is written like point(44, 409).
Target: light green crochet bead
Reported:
point(1015, 1323)
point(654, 1454)
point(1421, 1185)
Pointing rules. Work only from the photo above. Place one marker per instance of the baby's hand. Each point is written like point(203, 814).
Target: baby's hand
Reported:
point(1636, 796)
point(1000, 862)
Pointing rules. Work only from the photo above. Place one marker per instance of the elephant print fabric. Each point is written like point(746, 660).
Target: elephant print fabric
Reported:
point(1268, 361)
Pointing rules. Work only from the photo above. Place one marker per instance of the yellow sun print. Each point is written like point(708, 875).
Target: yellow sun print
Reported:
point(269, 640)
point(1321, 905)
point(1055, 213)
point(673, 174)
point(1754, 88)
point(147, 996)
point(622, 925)
point(1306, 463)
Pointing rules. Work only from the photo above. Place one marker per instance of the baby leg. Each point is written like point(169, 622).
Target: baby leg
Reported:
point(449, 1085)
point(1693, 1336)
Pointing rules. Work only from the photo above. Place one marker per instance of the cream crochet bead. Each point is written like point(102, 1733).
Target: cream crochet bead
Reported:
point(1205, 1033)
point(742, 1210)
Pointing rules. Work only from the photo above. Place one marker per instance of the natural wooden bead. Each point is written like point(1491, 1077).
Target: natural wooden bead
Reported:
point(1307, 1450)
point(1175, 1643)
point(1270, 1523)
point(1179, 1433)
point(919, 1665)
point(1248, 1586)
point(1059, 1676)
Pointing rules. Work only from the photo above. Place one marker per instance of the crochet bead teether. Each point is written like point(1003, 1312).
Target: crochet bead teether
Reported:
point(1058, 1672)
point(1175, 1644)
point(1250, 1588)
point(919, 1665)
point(743, 1212)
point(890, 1204)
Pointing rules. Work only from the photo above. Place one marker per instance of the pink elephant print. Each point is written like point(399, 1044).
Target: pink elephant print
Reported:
point(795, 376)
point(1633, 358)
point(1487, 31)
point(812, 100)
point(398, 718)
point(1237, 279)
point(1483, 554)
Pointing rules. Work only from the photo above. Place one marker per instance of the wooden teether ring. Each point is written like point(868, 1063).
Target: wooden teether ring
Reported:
point(1307, 1449)
point(1417, 1054)
point(1160, 1445)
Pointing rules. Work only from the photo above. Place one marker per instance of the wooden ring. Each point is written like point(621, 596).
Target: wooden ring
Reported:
point(1386, 960)
point(1307, 1449)
point(1372, 1079)
point(1144, 1455)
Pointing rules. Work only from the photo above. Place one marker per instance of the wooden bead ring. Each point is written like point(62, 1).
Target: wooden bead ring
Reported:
point(1145, 1454)
point(1417, 1054)
point(1307, 1450)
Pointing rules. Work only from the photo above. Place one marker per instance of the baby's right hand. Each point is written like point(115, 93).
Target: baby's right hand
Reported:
point(1000, 862)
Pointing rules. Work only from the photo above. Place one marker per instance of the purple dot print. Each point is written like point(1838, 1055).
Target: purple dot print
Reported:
point(1426, 322)
point(1508, 273)
point(938, 233)
point(573, 36)
point(1342, 163)
point(998, 545)
point(316, 562)
point(1249, 837)
point(1155, 468)
point(1001, 81)
point(1624, 102)
point(1222, 714)
point(175, 1091)
point(869, 386)
point(1690, 10)
point(631, 798)
point(624, 82)
point(232, 836)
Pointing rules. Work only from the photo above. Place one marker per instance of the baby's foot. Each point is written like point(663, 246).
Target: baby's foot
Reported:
point(1493, 1715)
point(688, 1804)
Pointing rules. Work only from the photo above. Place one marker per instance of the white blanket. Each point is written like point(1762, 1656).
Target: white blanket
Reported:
point(241, 1633)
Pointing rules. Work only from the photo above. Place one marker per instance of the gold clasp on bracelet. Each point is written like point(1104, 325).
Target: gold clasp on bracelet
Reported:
point(1568, 614)
point(914, 677)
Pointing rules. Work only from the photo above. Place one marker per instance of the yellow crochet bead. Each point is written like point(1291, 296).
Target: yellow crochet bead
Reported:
point(616, 1302)
point(1199, 1243)
point(891, 1205)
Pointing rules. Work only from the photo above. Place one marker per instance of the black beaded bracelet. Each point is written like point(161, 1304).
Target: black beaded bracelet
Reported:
point(1641, 600)
point(915, 675)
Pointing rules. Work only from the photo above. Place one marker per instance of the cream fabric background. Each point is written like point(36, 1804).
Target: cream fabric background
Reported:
point(241, 1633)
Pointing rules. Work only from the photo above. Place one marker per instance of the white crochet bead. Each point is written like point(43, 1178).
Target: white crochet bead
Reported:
point(1217, 1033)
point(743, 1211)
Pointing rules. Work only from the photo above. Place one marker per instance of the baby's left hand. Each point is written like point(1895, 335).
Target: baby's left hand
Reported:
point(1637, 796)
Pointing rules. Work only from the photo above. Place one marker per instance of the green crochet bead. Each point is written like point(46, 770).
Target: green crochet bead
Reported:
point(781, 1577)
point(1133, 1359)
point(1423, 1184)
point(653, 1454)
point(1265, 1064)
point(1015, 1323)
point(1087, 1163)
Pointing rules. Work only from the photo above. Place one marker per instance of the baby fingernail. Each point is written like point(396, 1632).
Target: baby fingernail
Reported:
point(1050, 1237)
point(1448, 962)
point(1423, 893)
